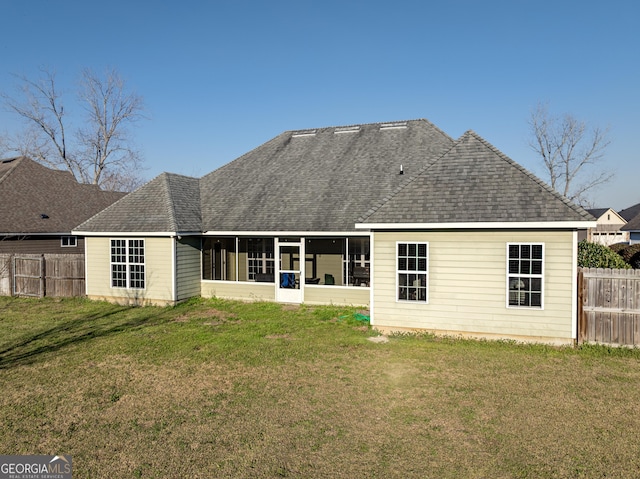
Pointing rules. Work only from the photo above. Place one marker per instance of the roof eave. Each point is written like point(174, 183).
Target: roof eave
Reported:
point(480, 225)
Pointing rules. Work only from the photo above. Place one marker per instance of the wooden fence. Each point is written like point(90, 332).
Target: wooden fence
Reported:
point(609, 306)
point(59, 275)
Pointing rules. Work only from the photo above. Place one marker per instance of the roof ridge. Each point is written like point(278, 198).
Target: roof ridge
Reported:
point(578, 209)
point(17, 159)
point(331, 127)
point(171, 208)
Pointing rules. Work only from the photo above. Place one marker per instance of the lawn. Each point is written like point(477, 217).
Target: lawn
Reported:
point(216, 388)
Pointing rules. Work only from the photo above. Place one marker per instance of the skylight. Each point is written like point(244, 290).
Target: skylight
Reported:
point(300, 133)
point(346, 129)
point(393, 126)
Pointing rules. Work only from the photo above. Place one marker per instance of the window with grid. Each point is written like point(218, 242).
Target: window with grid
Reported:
point(525, 274)
point(260, 259)
point(413, 266)
point(127, 263)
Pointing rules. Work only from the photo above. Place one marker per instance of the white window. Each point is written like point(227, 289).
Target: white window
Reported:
point(127, 263)
point(525, 268)
point(260, 260)
point(413, 270)
point(68, 241)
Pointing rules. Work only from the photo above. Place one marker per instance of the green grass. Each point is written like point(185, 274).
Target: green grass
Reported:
point(216, 388)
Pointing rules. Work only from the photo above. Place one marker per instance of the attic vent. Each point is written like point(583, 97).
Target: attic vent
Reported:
point(393, 126)
point(300, 133)
point(346, 129)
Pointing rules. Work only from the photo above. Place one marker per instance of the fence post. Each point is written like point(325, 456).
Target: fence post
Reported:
point(43, 273)
point(582, 323)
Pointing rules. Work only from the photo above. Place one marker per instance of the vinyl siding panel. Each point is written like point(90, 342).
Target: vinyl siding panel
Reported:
point(467, 285)
point(350, 296)
point(158, 272)
point(188, 268)
point(39, 245)
point(248, 291)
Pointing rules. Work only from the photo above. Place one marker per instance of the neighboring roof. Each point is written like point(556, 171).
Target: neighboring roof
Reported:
point(598, 212)
point(475, 183)
point(324, 180)
point(168, 203)
point(29, 190)
point(631, 212)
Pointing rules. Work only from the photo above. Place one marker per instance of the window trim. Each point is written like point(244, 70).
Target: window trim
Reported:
point(127, 263)
point(530, 275)
point(69, 239)
point(399, 272)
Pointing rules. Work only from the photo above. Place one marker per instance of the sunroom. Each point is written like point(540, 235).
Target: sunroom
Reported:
point(270, 268)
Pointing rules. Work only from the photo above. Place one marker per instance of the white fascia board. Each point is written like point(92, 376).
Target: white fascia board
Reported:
point(285, 233)
point(127, 233)
point(479, 225)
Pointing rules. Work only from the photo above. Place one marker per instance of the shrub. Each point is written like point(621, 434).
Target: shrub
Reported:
point(592, 255)
point(618, 247)
point(635, 261)
point(629, 252)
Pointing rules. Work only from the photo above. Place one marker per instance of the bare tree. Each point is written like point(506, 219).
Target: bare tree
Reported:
point(100, 152)
point(570, 152)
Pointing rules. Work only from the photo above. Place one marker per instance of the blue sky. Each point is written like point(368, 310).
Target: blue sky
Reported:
point(219, 78)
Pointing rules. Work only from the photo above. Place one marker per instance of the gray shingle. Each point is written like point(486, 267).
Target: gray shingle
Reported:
point(326, 179)
point(319, 182)
point(168, 203)
point(474, 182)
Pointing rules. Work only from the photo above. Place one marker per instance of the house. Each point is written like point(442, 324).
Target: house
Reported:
point(608, 230)
point(428, 232)
point(39, 206)
point(632, 216)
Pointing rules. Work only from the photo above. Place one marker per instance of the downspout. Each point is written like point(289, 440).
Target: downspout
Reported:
point(174, 261)
point(371, 277)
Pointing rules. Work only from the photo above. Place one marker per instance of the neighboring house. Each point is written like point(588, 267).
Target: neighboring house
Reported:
point(608, 229)
point(632, 215)
point(430, 233)
point(39, 206)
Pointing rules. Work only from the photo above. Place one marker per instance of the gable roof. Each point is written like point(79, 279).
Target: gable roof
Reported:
point(168, 203)
point(475, 183)
point(600, 212)
point(29, 190)
point(324, 180)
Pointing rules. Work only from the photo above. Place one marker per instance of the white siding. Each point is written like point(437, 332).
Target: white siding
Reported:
point(248, 291)
point(344, 296)
point(188, 268)
point(158, 272)
point(467, 286)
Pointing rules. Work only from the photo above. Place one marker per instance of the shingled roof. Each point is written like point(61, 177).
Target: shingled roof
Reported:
point(168, 203)
point(29, 190)
point(317, 180)
point(632, 215)
point(475, 183)
point(326, 179)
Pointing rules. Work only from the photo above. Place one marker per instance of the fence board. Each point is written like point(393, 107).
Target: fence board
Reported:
point(609, 306)
point(61, 275)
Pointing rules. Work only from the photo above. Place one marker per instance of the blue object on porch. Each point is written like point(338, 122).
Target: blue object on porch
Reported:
point(287, 280)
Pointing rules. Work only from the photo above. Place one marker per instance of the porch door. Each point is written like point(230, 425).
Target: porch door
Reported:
point(290, 272)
